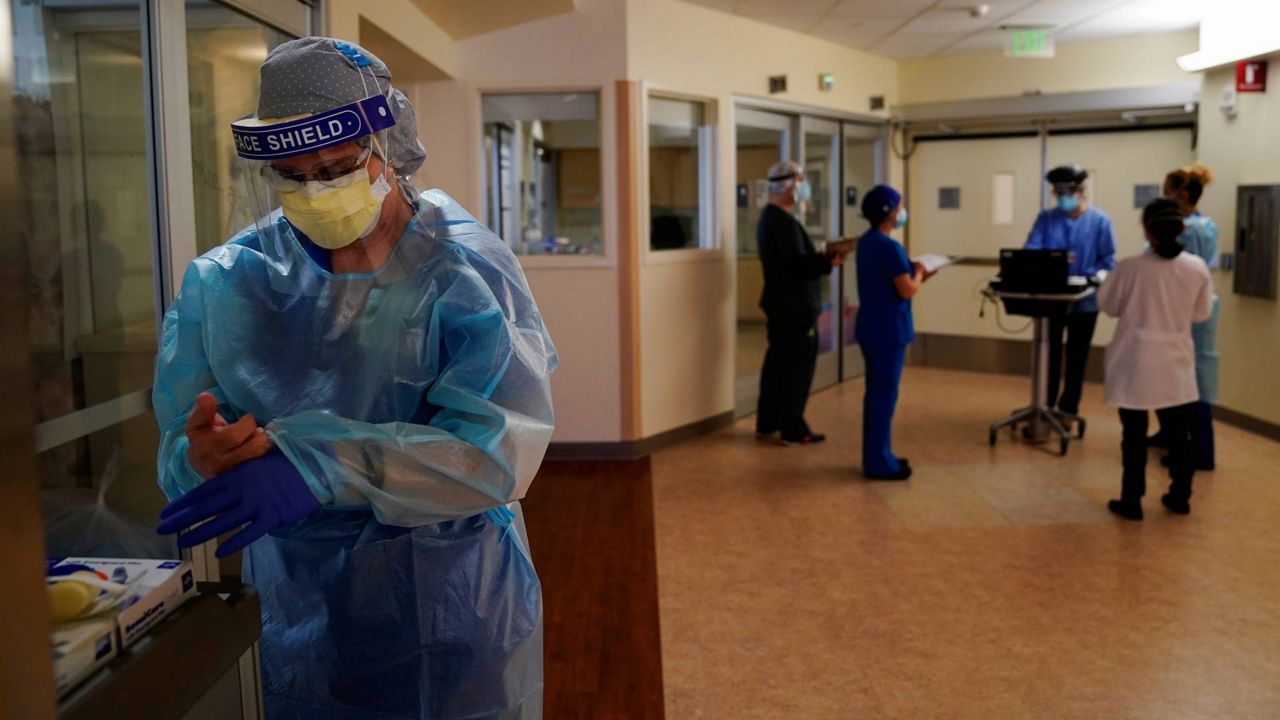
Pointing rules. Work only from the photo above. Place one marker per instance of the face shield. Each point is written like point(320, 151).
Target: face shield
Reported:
point(315, 180)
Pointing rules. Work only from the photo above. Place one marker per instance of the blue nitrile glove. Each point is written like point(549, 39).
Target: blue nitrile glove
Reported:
point(258, 496)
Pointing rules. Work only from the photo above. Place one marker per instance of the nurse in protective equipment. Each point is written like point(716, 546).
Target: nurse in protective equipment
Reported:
point(1085, 233)
point(357, 387)
point(792, 301)
point(1184, 186)
point(887, 280)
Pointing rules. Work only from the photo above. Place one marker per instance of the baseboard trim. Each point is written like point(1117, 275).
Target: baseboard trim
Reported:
point(1004, 356)
point(1248, 423)
point(636, 449)
point(1013, 357)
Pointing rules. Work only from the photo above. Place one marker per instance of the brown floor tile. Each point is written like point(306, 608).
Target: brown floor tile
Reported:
point(994, 584)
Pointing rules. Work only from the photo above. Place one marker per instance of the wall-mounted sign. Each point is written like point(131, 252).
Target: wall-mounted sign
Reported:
point(877, 102)
point(744, 195)
point(948, 198)
point(851, 196)
point(1251, 76)
point(1029, 43)
point(826, 81)
point(777, 84)
point(1144, 194)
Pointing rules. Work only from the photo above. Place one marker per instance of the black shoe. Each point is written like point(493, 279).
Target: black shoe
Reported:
point(1126, 510)
point(1181, 507)
point(1158, 441)
point(904, 472)
point(1198, 467)
point(810, 439)
point(763, 435)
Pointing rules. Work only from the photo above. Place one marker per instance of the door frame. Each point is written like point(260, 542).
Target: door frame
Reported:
point(794, 120)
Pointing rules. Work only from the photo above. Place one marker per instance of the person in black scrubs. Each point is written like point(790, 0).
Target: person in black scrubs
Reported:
point(792, 300)
point(887, 280)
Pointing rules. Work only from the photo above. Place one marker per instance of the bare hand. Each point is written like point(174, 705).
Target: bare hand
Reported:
point(216, 445)
point(921, 272)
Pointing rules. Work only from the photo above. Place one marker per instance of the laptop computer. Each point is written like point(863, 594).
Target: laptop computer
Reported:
point(1035, 271)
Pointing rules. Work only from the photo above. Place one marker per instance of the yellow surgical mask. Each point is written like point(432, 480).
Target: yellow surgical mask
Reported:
point(334, 215)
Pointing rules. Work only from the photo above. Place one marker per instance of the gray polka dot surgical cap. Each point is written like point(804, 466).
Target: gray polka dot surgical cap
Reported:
point(314, 74)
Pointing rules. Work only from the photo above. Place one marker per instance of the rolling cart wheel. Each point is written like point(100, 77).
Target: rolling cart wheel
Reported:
point(1062, 446)
point(1080, 430)
point(991, 438)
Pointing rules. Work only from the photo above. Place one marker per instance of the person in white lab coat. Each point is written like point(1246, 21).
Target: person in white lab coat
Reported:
point(1151, 360)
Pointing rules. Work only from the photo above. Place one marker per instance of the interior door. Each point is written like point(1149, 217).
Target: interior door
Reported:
point(863, 169)
point(1126, 170)
point(762, 139)
point(820, 154)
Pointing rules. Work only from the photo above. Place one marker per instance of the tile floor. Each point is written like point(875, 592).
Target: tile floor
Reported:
point(994, 584)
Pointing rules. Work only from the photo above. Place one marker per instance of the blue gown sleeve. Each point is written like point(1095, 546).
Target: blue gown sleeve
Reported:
point(1201, 239)
point(1036, 238)
point(182, 373)
point(1106, 257)
point(491, 424)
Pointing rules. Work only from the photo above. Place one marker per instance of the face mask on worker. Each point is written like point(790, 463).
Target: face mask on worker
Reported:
point(336, 213)
point(901, 221)
point(1069, 203)
point(802, 192)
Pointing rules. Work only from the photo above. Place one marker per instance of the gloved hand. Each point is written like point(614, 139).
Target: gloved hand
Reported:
point(257, 496)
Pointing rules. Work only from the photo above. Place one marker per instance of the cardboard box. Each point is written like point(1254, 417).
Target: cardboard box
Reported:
point(154, 588)
point(80, 648)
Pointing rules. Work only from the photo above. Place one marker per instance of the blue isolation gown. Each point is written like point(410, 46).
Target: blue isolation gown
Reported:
point(1089, 240)
point(415, 402)
point(1200, 238)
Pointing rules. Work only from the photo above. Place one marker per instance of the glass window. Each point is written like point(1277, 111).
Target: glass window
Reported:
point(542, 171)
point(90, 246)
point(81, 118)
point(224, 50)
point(681, 192)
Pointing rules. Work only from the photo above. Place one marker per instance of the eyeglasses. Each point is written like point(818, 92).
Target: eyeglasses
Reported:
point(333, 174)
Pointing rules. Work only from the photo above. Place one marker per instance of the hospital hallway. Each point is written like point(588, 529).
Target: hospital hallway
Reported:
point(992, 584)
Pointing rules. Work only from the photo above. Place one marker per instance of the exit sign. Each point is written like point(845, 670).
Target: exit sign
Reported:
point(1251, 76)
point(1029, 43)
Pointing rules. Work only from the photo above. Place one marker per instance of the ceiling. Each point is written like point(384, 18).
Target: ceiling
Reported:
point(904, 29)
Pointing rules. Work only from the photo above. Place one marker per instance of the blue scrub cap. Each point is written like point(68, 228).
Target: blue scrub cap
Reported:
point(879, 202)
point(317, 74)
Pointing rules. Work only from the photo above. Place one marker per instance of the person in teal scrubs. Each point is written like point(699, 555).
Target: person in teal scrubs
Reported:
point(1200, 238)
point(887, 280)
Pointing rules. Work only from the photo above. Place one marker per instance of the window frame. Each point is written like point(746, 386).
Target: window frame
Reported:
point(171, 193)
point(712, 246)
point(607, 121)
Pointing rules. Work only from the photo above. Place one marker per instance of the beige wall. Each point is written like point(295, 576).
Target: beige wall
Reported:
point(1242, 151)
point(400, 19)
point(585, 46)
point(582, 50)
point(1090, 65)
point(689, 304)
point(1116, 161)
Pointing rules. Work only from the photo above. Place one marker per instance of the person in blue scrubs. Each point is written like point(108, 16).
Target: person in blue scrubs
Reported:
point(887, 280)
point(1200, 238)
point(1085, 233)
